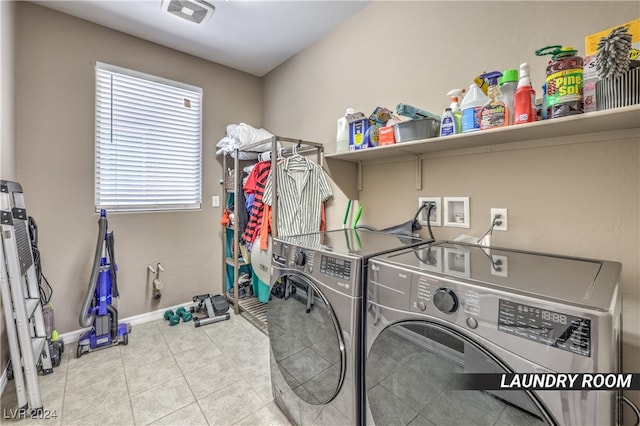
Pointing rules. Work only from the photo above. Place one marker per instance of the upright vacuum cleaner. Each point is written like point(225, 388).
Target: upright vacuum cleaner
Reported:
point(97, 310)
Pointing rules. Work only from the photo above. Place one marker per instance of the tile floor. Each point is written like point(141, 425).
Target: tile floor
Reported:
point(217, 374)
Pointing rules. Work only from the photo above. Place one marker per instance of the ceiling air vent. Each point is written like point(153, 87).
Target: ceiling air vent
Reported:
point(197, 11)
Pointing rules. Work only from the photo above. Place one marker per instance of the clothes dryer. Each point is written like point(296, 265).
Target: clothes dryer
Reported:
point(439, 310)
point(316, 327)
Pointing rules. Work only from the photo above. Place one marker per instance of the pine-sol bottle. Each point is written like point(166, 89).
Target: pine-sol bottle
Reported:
point(564, 81)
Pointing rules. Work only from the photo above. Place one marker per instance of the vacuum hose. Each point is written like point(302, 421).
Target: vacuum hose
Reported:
point(114, 322)
point(86, 320)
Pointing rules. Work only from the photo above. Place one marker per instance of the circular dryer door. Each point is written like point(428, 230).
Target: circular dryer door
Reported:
point(306, 341)
point(410, 369)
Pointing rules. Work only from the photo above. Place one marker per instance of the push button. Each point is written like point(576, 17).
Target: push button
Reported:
point(472, 323)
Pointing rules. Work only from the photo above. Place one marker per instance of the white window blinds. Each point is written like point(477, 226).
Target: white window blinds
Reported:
point(148, 142)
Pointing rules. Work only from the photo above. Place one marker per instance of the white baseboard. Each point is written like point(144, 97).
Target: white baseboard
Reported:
point(73, 336)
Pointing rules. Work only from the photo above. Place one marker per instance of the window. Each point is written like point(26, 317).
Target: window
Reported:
point(148, 142)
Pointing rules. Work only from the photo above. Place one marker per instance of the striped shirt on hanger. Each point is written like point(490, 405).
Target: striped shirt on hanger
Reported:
point(255, 185)
point(302, 188)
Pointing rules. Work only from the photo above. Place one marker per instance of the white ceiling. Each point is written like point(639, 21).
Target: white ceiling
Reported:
point(251, 36)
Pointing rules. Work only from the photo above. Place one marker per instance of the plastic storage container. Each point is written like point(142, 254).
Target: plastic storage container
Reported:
point(411, 130)
point(261, 290)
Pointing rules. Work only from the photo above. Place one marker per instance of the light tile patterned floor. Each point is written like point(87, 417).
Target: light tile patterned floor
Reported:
point(217, 374)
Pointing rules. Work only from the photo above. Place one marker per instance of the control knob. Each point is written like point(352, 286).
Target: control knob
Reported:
point(445, 300)
point(301, 258)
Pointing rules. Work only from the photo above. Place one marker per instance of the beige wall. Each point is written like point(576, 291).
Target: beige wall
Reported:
point(567, 198)
point(7, 125)
point(55, 56)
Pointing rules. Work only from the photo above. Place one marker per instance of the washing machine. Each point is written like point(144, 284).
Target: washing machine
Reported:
point(437, 311)
point(316, 325)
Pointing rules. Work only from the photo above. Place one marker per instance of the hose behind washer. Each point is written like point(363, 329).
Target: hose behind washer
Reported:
point(86, 320)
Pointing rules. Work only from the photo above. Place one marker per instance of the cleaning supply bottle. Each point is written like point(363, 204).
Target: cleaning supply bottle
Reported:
point(448, 125)
point(525, 98)
point(342, 137)
point(471, 107)
point(494, 113)
point(456, 98)
point(564, 81)
point(508, 86)
point(482, 83)
point(544, 101)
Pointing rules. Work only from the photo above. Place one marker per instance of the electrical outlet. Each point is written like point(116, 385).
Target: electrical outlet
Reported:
point(501, 222)
point(499, 265)
point(215, 201)
point(436, 214)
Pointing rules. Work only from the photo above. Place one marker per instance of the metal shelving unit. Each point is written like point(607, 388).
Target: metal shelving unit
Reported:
point(250, 307)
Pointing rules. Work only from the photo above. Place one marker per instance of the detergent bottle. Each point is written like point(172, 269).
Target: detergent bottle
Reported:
point(471, 107)
point(456, 98)
point(564, 81)
point(525, 98)
point(494, 113)
point(342, 137)
point(508, 86)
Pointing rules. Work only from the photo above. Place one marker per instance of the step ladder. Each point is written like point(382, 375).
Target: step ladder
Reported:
point(21, 300)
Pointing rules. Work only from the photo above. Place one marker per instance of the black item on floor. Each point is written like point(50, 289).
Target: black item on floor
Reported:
point(214, 306)
point(277, 290)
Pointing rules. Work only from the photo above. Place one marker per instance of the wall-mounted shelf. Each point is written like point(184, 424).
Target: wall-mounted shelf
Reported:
point(599, 121)
point(625, 118)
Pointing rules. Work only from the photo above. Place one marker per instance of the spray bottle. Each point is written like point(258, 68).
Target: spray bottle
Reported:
point(456, 98)
point(525, 98)
point(482, 83)
point(494, 113)
point(508, 87)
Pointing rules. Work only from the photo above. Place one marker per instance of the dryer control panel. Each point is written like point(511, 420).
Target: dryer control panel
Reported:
point(340, 273)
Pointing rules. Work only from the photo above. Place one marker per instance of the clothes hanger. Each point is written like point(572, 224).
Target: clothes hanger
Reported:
point(295, 155)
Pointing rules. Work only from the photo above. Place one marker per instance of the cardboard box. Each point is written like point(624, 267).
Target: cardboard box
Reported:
point(386, 136)
point(590, 78)
point(591, 41)
point(358, 126)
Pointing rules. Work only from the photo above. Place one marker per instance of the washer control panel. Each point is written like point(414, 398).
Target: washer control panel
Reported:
point(469, 306)
point(562, 331)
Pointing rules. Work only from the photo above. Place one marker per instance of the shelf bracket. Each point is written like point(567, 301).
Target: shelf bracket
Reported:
point(418, 171)
point(360, 178)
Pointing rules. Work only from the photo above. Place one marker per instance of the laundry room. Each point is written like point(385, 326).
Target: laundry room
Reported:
point(233, 296)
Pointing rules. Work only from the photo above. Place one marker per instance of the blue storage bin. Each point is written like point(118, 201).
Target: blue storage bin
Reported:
point(261, 290)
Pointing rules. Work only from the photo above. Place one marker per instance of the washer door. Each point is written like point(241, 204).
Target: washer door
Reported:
point(306, 341)
point(408, 372)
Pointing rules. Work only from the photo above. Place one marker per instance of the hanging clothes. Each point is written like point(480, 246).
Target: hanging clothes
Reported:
point(302, 188)
point(255, 185)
